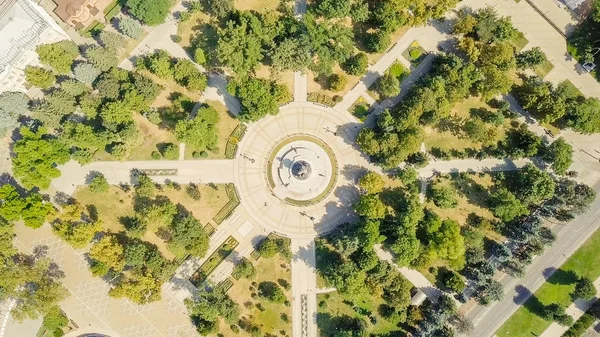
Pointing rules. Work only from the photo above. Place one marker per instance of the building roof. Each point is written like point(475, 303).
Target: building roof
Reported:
point(574, 4)
point(68, 8)
point(20, 28)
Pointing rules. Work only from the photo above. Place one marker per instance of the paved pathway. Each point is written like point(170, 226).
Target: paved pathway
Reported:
point(185, 171)
point(472, 165)
point(428, 37)
point(304, 288)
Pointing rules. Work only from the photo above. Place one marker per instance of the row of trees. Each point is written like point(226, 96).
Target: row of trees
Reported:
point(562, 104)
point(184, 72)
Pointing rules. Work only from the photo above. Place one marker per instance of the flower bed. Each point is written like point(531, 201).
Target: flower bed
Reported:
point(213, 261)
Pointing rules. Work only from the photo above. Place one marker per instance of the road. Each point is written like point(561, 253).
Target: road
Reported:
point(488, 319)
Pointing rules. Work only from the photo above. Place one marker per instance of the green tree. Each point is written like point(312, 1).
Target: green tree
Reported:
point(371, 207)
point(501, 55)
point(99, 184)
point(58, 55)
point(86, 72)
point(494, 82)
point(465, 24)
point(77, 234)
point(103, 58)
point(448, 243)
point(334, 8)
point(112, 41)
point(208, 306)
point(115, 114)
point(39, 77)
point(388, 85)
point(158, 214)
point(220, 8)
point(534, 185)
point(268, 247)
point(453, 281)
point(34, 283)
point(109, 252)
point(584, 289)
point(36, 156)
point(560, 155)
point(443, 196)
point(505, 205)
point(240, 44)
point(585, 117)
point(476, 130)
point(130, 27)
point(151, 12)
point(257, 97)
point(337, 82)
point(55, 321)
point(189, 236)
point(372, 183)
point(357, 64)
point(186, 74)
point(170, 151)
point(12, 203)
point(292, 53)
point(36, 210)
point(378, 41)
point(141, 288)
point(199, 132)
point(271, 291)
point(531, 58)
point(244, 269)
point(145, 187)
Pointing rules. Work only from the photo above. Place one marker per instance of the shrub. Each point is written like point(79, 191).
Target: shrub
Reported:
point(176, 38)
point(271, 291)
point(415, 53)
point(203, 154)
point(337, 82)
point(99, 184)
point(193, 191)
point(156, 155)
point(388, 85)
point(153, 116)
point(199, 56)
point(170, 151)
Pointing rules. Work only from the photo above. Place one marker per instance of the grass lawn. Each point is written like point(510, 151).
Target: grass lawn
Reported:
point(284, 77)
point(153, 136)
point(337, 305)
point(544, 69)
point(520, 42)
point(270, 319)
point(451, 138)
point(525, 322)
point(225, 126)
point(115, 204)
point(256, 5)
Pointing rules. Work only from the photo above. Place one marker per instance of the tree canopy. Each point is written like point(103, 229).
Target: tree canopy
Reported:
point(151, 12)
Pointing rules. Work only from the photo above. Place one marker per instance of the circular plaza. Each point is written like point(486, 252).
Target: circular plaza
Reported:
point(292, 170)
point(301, 170)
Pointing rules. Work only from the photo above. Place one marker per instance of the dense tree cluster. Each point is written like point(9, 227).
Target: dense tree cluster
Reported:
point(184, 72)
point(146, 267)
point(32, 281)
point(259, 98)
point(201, 131)
point(209, 306)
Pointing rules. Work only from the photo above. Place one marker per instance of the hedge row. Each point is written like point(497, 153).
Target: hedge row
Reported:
point(234, 139)
point(227, 210)
point(322, 99)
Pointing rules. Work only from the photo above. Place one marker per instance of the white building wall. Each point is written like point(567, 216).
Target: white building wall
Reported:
point(13, 78)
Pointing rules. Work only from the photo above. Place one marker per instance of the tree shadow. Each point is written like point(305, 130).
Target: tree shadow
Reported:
point(560, 276)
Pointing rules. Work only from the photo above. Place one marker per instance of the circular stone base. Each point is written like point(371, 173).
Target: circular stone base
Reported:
point(301, 170)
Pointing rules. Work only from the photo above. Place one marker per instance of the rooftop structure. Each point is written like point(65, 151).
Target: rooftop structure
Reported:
point(81, 13)
point(23, 26)
point(574, 4)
